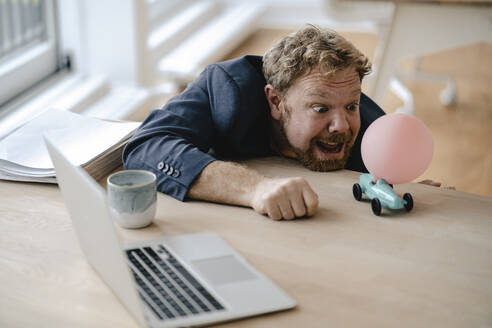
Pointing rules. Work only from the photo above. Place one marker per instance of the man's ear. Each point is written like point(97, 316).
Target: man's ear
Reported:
point(273, 101)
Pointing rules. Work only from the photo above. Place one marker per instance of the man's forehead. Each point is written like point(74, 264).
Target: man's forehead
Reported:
point(317, 83)
point(349, 90)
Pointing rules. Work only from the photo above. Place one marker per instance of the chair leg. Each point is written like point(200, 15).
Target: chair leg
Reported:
point(402, 92)
point(448, 95)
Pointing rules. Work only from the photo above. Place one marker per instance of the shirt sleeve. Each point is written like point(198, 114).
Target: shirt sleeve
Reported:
point(173, 142)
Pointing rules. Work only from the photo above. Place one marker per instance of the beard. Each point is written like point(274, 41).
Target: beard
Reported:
point(309, 160)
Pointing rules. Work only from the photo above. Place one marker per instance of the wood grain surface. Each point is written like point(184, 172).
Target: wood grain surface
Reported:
point(344, 266)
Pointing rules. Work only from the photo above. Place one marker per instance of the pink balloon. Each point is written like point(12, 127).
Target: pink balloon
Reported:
point(397, 148)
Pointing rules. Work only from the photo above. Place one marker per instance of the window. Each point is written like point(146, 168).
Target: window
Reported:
point(28, 45)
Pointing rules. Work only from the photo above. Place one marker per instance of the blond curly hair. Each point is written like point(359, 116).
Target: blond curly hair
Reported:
point(311, 47)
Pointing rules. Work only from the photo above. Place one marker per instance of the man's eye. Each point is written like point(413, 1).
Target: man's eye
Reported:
point(320, 109)
point(352, 107)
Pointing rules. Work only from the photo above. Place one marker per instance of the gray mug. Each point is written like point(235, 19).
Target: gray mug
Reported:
point(132, 197)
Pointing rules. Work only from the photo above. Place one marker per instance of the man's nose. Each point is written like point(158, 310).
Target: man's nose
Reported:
point(338, 122)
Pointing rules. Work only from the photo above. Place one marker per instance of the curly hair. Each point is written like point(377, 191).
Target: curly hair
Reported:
point(307, 49)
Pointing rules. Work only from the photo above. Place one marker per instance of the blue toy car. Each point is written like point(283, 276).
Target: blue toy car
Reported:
point(381, 194)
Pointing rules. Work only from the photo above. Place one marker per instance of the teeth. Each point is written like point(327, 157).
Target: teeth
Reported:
point(331, 144)
point(330, 147)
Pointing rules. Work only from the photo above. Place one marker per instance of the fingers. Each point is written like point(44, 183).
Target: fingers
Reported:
point(285, 198)
point(273, 211)
point(430, 183)
point(298, 204)
point(278, 206)
point(286, 208)
point(433, 183)
point(311, 200)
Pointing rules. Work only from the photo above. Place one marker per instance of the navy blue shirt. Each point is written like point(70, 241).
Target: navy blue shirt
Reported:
point(223, 113)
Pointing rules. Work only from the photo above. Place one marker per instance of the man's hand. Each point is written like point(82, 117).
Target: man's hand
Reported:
point(286, 198)
point(279, 198)
point(433, 183)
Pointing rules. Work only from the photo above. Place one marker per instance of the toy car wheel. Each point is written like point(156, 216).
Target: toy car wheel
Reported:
point(390, 185)
point(357, 191)
point(376, 206)
point(408, 198)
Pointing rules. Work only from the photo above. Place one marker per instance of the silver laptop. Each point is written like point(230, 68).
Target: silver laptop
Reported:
point(183, 280)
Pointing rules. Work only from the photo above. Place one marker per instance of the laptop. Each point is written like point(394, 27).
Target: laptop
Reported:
point(185, 280)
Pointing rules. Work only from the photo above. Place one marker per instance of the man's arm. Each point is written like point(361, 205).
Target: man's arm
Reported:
point(174, 143)
point(231, 183)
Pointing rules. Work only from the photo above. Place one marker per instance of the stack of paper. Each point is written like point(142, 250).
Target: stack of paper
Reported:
point(94, 144)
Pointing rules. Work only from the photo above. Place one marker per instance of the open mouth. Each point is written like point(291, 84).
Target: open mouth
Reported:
point(330, 147)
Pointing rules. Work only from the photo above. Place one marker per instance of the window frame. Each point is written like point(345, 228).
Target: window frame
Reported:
point(19, 73)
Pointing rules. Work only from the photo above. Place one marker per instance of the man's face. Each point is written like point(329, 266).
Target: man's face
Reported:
point(319, 118)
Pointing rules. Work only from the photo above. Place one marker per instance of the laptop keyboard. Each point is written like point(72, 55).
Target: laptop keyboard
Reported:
point(166, 286)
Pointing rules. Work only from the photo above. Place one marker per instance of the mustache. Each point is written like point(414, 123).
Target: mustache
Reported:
point(336, 137)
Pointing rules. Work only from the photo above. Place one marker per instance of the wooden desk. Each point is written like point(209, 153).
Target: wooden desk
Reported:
point(344, 266)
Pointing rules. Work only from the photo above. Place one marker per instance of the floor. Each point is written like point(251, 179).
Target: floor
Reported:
point(462, 133)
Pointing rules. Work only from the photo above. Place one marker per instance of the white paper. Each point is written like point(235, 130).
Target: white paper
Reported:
point(80, 138)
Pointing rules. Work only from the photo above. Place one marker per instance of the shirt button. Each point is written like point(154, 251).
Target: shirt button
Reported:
point(176, 174)
point(166, 167)
point(160, 165)
point(171, 170)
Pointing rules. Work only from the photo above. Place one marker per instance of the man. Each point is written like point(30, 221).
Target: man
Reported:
point(301, 100)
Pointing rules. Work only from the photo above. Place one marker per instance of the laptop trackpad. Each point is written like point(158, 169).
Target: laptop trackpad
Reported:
point(223, 270)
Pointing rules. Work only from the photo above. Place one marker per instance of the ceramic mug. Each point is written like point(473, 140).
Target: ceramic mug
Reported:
point(132, 197)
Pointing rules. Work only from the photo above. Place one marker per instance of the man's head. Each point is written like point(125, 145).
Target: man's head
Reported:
point(313, 89)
